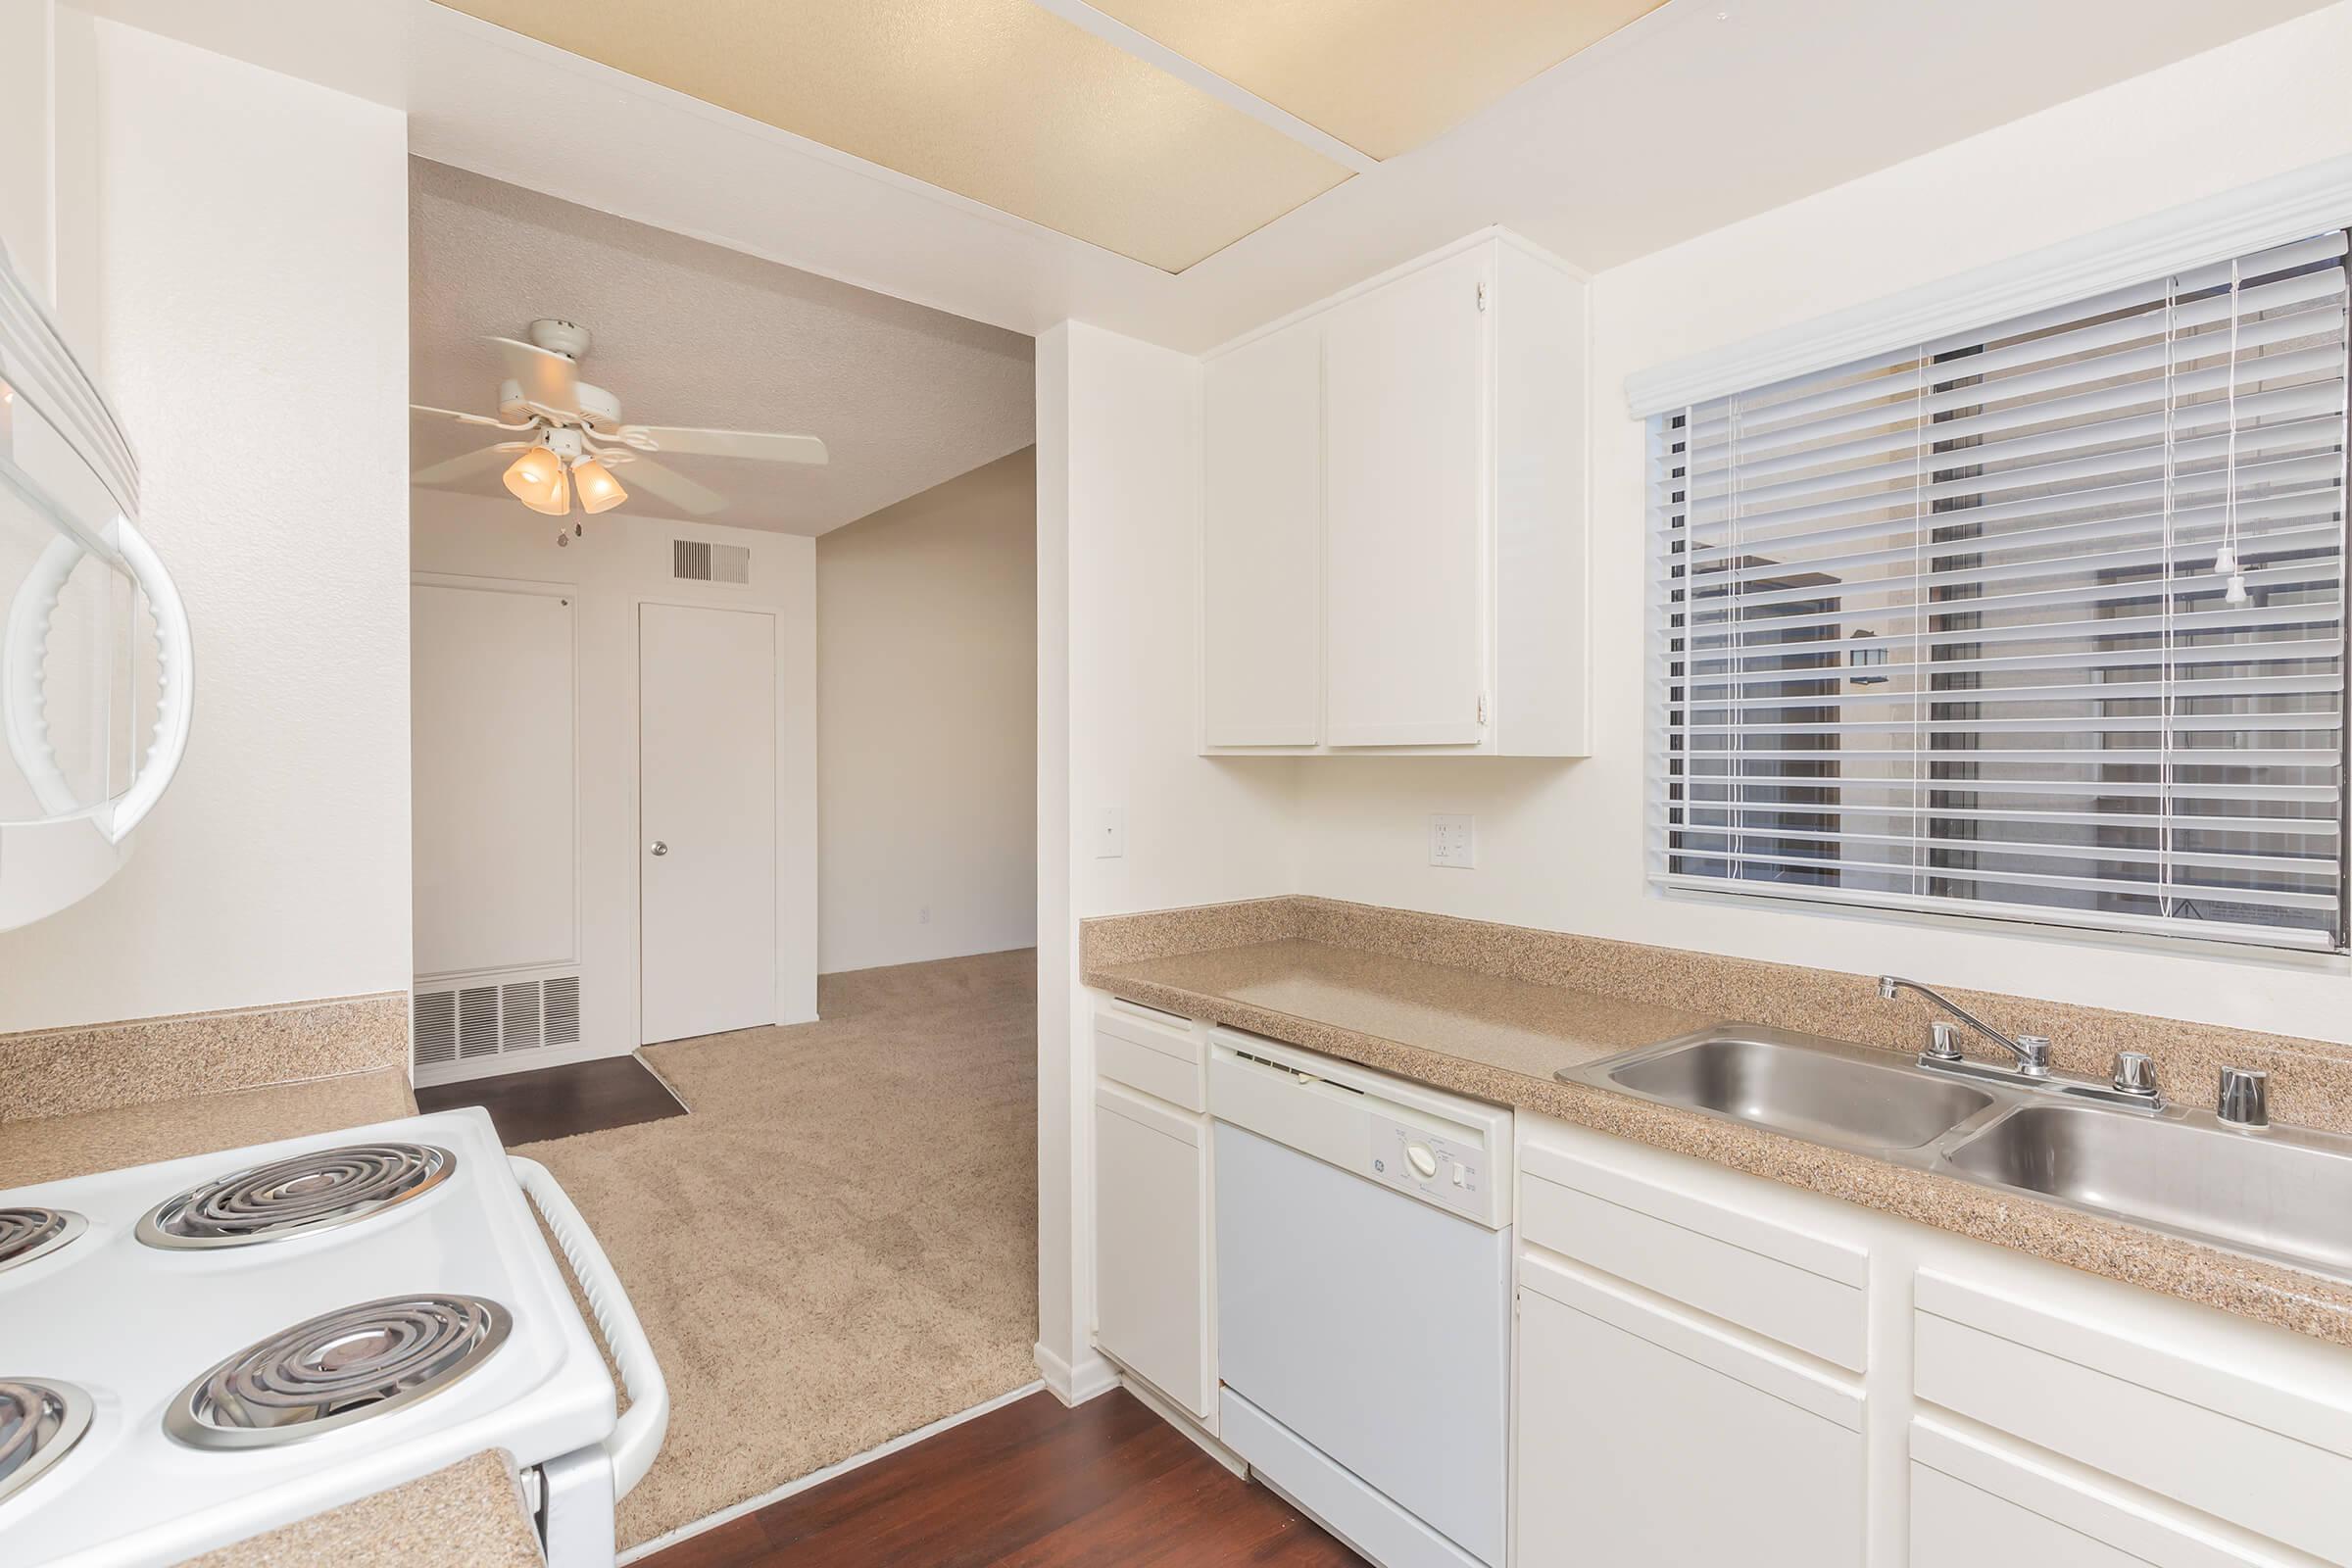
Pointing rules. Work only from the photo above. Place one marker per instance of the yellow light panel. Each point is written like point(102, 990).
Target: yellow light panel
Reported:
point(1382, 75)
point(997, 100)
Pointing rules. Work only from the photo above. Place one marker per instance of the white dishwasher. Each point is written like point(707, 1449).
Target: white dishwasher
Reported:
point(1364, 1298)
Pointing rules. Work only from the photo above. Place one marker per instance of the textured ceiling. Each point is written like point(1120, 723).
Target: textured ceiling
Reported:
point(693, 335)
point(998, 100)
point(1382, 75)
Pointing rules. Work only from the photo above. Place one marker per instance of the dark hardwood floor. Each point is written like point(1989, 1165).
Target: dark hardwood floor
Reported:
point(1029, 1486)
point(580, 1097)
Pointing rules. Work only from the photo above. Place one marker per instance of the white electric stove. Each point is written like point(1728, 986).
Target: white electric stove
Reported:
point(195, 1351)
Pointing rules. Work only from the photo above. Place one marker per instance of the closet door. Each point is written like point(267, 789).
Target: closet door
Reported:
point(1407, 498)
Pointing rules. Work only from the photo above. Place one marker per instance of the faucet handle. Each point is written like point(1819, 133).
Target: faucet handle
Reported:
point(2246, 1098)
point(1943, 1040)
point(2033, 1056)
point(2133, 1073)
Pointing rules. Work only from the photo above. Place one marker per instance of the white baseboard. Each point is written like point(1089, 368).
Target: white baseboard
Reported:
point(816, 1478)
point(1075, 1385)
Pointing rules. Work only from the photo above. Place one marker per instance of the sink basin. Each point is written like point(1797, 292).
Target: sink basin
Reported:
point(2282, 1192)
point(1844, 1096)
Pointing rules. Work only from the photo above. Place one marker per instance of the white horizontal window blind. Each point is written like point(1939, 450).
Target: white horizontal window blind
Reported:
point(2042, 623)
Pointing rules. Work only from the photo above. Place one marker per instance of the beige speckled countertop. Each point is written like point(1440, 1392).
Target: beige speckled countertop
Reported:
point(45, 1149)
point(1476, 1025)
point(470, 1513)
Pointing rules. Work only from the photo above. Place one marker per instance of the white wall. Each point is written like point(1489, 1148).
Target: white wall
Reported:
point(926, 739)
point(1118, 465)
point(621, 562)
point(1559, 845)
point(250, 293)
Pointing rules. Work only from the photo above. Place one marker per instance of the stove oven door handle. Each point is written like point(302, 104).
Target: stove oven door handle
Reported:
point(637, 1437)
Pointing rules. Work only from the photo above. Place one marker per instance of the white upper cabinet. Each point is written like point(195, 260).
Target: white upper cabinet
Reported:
point(1261, 543)
point(1406, 429)
point(1394, 534)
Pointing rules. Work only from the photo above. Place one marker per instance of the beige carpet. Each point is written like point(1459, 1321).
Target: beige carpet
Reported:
point(839, 1244)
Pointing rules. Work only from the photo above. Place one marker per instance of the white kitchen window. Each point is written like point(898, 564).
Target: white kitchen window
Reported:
point(2044, 622)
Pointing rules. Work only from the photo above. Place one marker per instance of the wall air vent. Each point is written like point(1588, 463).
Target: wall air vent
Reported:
point(694, 560)
point(564, 1010)
point(455, 1027)
point(435, 1024)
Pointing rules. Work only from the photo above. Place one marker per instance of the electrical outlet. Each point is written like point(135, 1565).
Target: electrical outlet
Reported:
point(1110, 832)
point(1453, 840)
point(923, 915)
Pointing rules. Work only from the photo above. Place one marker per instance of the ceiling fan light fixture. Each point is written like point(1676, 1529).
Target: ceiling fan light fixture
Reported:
point(538, 481)
point(599, 490)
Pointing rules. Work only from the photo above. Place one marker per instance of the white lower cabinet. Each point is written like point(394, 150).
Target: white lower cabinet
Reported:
point(1649, 1437)
point(1152, 1207)
point(1715, 1368)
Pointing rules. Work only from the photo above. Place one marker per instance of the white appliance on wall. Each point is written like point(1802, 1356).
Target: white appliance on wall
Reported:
point(1363, 1246)
point(196, 1352)
point(95, 696)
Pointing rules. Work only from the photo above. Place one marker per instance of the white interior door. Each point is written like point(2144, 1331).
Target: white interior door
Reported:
point(706, 820)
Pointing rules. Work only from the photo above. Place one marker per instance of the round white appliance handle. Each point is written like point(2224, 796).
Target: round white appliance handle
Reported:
point(637, 1437)
point(24, 698)
point(24, 703)
point(175, 676)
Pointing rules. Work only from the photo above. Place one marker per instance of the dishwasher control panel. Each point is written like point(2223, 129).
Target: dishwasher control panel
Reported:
point(1449, 1172)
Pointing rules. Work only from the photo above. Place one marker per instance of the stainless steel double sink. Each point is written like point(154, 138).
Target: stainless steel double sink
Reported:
point(2280, 1193)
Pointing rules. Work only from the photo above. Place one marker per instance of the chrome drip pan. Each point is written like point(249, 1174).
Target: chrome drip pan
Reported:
point(38, 1423)
point(297, 1196)
point(29, 1233)
point(337, 1369)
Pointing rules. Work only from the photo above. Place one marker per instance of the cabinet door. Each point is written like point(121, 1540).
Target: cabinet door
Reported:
point(1643, 1439)
point(1151, 1245)
point(1976, 1502)
point(1261, 546)
point(1406, 499)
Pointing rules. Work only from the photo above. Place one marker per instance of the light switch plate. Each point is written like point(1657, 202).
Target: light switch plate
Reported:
point(1111, 833)
point(1453, 840)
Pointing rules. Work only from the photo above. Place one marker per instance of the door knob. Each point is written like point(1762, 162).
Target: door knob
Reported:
point(659, 848)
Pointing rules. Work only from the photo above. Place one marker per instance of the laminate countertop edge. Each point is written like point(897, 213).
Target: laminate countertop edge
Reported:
point(2304, 1303)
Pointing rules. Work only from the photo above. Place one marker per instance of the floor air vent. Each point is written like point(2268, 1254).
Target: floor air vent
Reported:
point(465, 1024)
point(693, 561)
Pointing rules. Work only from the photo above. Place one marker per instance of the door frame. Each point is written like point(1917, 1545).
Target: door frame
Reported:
point(776, 871)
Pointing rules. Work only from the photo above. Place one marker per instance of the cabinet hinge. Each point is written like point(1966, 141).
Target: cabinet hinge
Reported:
point(1482, 294)
point(1481, 707)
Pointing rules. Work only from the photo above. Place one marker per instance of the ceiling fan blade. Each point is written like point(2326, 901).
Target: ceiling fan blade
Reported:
point(463, 466)
point(754, 444)
point(672, 487)
point(452, 414)
point(550, 381)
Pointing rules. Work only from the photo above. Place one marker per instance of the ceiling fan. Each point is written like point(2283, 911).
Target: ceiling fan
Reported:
point(568, 435)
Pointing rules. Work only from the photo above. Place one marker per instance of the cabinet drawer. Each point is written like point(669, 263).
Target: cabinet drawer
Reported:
point(1804, 1291)
point(1973, 1505)
point(1163, 1055)
point(2160, 1414)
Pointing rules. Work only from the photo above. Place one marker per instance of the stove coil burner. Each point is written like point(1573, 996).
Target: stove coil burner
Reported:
point(29, 1233)
point(297, 1196)
point(337, 1369)
point(38, 1423)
